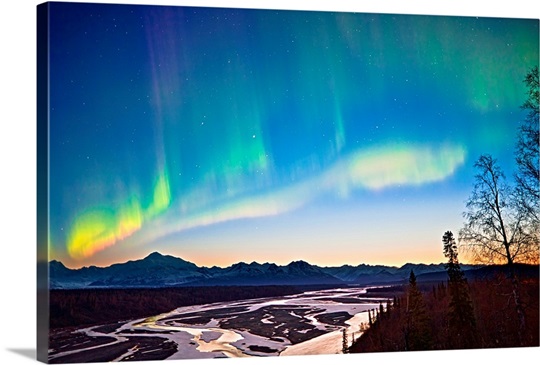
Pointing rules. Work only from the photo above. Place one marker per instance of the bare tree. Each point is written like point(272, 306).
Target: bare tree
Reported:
point(527, 153)
point(527, 192)
point(496, 229)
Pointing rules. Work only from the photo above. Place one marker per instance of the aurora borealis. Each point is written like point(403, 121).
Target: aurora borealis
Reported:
point(227, 135)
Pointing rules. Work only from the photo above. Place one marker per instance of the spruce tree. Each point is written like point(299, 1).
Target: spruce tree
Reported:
point(461, 319)
point(345, 343)
point(417, 327)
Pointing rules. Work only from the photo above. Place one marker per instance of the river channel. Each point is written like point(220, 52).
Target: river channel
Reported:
point(308, 323)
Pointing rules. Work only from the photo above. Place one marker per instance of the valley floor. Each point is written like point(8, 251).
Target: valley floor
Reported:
point(306, 323)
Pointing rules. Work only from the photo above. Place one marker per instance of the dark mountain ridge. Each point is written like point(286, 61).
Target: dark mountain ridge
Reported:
point(157, 270)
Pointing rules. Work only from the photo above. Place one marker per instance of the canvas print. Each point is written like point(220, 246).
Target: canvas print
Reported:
point(221, 182)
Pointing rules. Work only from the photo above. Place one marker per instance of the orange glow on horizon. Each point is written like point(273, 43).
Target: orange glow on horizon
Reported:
point(390, 258)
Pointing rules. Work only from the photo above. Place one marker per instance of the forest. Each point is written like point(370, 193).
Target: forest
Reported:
point(446, 315)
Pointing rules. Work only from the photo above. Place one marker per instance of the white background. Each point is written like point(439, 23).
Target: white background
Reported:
point(18, 166)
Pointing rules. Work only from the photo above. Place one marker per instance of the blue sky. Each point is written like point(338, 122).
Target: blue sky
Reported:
point(222, 135)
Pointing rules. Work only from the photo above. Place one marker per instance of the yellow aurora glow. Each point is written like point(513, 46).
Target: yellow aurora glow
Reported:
point(92, 231)
point(98, 228)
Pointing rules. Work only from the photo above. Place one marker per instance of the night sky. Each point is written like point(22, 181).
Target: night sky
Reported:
point(223, 135)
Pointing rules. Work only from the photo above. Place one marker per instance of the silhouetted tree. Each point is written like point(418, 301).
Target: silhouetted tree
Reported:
point(502, 222)
point(496, 325)
point(461, 319)
point(345, 344)
point(397, 302)
point(441, 290)
point(527, 153)
point(417, 328)
point(495, 228)
point(527, 191)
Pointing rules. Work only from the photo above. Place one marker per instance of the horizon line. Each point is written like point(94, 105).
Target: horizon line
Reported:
point(252, 262)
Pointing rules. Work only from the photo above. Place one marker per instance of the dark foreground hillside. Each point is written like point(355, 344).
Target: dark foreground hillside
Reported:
point(495, 317)
point(73, 308)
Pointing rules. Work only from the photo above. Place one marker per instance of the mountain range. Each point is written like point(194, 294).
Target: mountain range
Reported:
point(157, 270)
